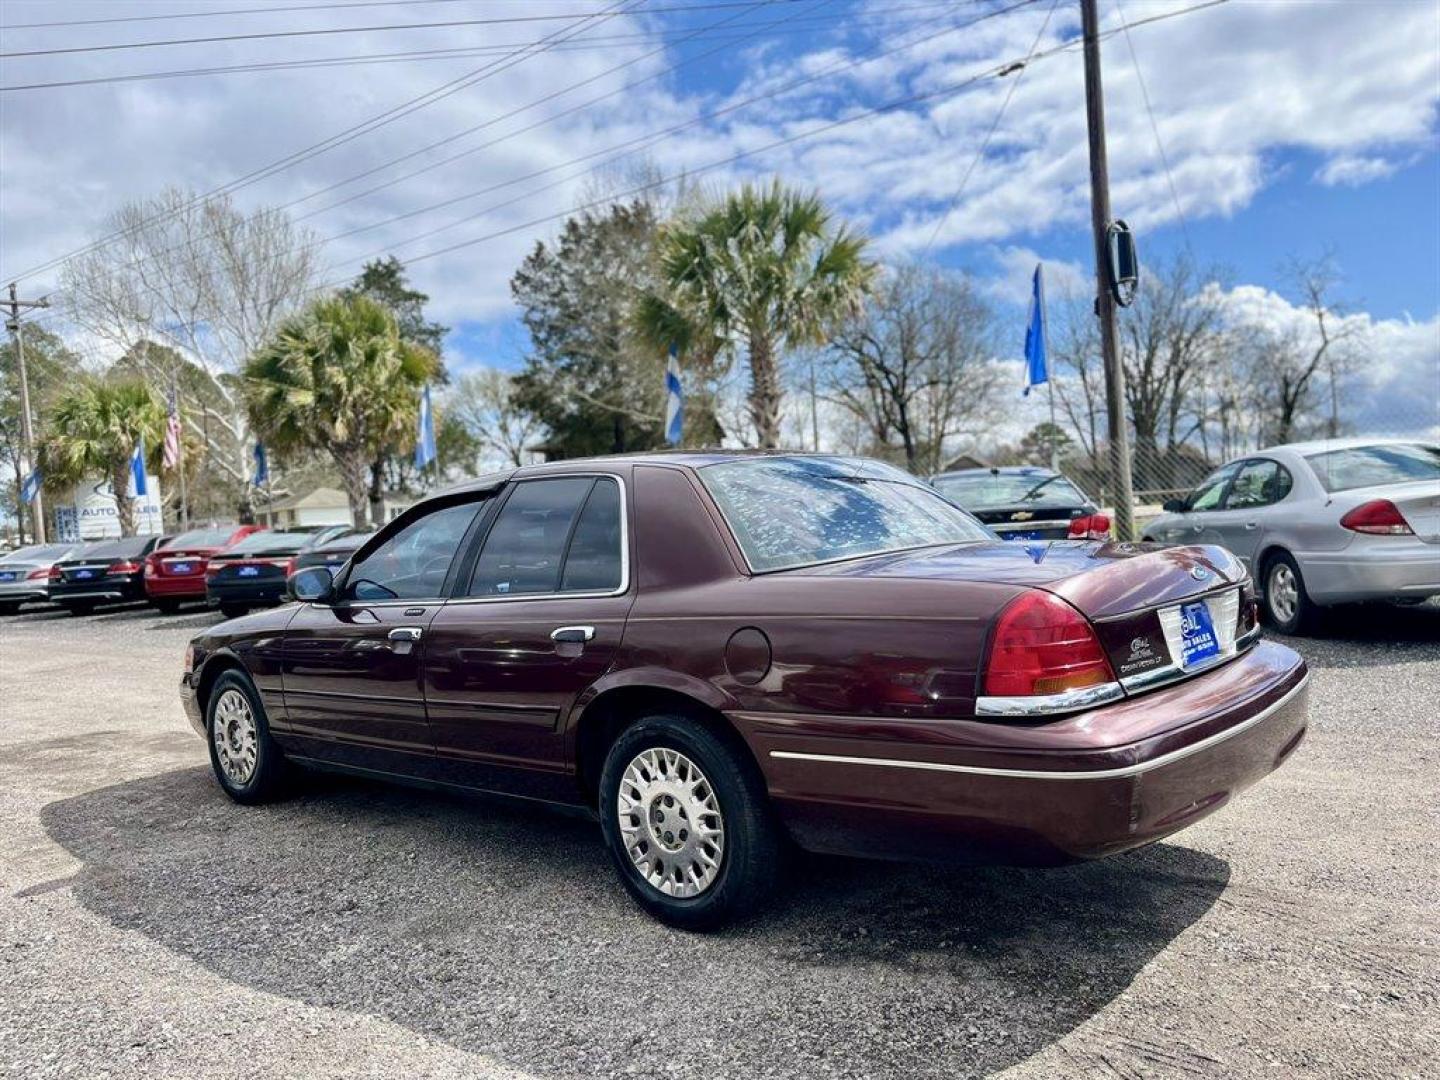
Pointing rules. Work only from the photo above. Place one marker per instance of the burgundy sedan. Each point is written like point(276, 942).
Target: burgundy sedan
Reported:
point(715, 652)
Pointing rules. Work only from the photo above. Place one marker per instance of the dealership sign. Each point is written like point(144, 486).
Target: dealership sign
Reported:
point(90, 514)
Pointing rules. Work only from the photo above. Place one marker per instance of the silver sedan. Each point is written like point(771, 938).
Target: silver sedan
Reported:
point(1321, 523)
point(25, 574)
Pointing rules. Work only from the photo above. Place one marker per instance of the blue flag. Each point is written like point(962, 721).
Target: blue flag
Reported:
point(425, 437)
point(1036, 370)
point(262, 466)
point(137, 468)
point(674, 399)
point(31, 487)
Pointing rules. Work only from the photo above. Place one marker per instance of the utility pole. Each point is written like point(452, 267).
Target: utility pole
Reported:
point(1104, 298)
point(37, 508)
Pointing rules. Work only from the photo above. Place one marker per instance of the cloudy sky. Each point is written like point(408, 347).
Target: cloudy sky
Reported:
point(1290, 127)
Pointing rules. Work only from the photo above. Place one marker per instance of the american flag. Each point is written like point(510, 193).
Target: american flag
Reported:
point(172, 432)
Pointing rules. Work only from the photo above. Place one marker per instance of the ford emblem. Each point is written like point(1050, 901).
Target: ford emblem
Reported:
point(1199, 573)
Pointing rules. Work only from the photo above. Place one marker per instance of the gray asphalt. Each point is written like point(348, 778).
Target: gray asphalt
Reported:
point(149, 927)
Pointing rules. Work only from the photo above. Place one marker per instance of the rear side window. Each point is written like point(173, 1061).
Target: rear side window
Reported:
point(1258, 483)
point(552, 536)
point(1375, 466)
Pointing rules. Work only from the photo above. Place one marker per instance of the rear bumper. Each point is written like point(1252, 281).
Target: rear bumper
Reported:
point(1101, 782)
point(245, 592)
point(99, 591)
point(176, 588)
point(19, 592)
point(1373, 568)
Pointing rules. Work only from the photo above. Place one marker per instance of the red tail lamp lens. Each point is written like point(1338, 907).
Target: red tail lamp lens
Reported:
point(1379, 516)
point(1042, 645)
point(289, 566)
point(54, 574)
point(124, 567)
point(1093, 527)
point(43, 572)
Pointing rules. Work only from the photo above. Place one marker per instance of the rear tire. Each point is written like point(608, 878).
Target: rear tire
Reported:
point(1288, 606)
point(79, 609)
point(248, 764)
point(234, 611)
point(688, 823)
point(9, 609)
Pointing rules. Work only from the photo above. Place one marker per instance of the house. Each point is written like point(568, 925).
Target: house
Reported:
point(965, 461)
point(319, 506)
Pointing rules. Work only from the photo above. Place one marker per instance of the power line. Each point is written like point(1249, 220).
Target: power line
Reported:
point(1155, 129)
point(1019, 73)
point(454, 52)
point(373, 123)
point(231, 11)
point(508, 20)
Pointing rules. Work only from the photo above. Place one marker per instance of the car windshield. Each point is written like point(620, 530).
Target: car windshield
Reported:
point(990, 491)
point(1375, 466)
point(798, 511)
point(211, 537)
point(259, 543)
point(113, 549)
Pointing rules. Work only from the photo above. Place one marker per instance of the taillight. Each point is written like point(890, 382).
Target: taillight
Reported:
point(54, 573)
point(289, 566)
point(1379, 516)
point(1042, 645)
point(213, 568)
point(123, 567)
point(1091, 527)
point(150, 570)
point(43, 572)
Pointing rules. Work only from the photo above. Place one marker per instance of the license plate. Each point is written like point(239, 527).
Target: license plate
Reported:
point(181, 567)
point(1197, 634)
point(83, 574)
point(1024, 534)
point(7, 575)
point(248, 571)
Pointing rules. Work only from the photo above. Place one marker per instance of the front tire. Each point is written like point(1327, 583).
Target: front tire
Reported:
point(688, 823)
point(1287, 605)
point(248, 764)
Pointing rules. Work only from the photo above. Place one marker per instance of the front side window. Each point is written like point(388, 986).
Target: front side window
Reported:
point(1375, 466)
point(412, 564)
point(1258, 483)
point(1207, 495)
point(553, 535)
point(788, 512)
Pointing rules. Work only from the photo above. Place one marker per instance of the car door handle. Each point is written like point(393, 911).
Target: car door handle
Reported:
point(572, 635)
point(406, 633)
point(1252, 524)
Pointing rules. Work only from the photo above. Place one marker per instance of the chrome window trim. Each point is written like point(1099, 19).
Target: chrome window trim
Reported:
point(1119, 772)
point(1048, 704)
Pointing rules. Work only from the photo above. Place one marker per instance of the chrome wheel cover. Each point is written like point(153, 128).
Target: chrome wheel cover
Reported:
point(1283, 592)
point(670, 822)
point(236, 737)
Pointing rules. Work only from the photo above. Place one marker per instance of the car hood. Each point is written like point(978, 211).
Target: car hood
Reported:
point(1100, 578)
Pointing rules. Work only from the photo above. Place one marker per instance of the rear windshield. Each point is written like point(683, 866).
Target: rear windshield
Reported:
point(260, 542)
point(37, 551)
point(1375, 466)
point(112, 549)
point(348, 542)
point(992, 491)
point(215, 536)
point(799, 511)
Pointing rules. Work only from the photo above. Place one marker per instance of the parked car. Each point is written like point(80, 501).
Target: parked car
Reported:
point(103, 572)
point(251, 572)
point(322, 534)
point(25, 574)
point(713, 651)
point(1321, 523)
point(333, 553)
point(1025, 503)
point(175, 572)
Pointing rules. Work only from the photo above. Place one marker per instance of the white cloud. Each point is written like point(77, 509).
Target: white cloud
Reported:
point(1354, 171)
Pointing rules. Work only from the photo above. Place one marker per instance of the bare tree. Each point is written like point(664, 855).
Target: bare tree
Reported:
point(208, 279)
point(1289, 363)
point(916, 366)
point(485, 402)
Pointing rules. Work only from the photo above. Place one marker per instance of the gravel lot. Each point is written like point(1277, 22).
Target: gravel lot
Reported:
point(149, 927)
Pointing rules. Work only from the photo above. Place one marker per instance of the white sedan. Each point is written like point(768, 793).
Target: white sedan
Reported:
point(1321, 523)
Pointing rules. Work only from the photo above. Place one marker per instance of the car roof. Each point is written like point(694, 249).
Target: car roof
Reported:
point(1317, 446)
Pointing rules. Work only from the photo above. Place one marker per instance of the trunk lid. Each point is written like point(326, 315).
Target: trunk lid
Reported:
point(1418, 503)
point(1141, 599)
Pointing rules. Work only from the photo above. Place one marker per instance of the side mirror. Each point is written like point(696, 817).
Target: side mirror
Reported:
point(311, 584)
point(1173, 506)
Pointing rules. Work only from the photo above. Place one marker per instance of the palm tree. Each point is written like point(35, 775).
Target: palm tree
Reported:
point(764, 268)
point(338, 378)
point(95, 425)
